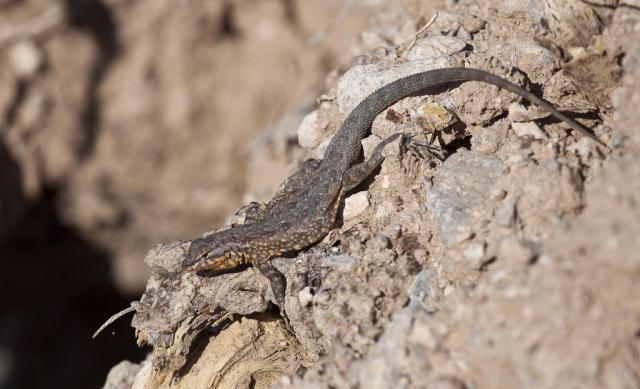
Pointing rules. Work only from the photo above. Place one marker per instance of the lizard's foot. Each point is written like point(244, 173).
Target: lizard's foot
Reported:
point(424, 149)
point(278, 285)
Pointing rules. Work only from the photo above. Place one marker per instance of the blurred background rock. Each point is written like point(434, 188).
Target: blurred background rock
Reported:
point(126, 123)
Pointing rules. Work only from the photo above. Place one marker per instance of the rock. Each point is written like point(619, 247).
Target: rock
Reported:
point(514, 250)
point(355, 204)
point(518, 113)
point(498, 194)
point(460, 191)
point(311, 132)
point(394, 231)
point(572, 22)
point(122, 375)
point(380, 242)
point(437, 46)
point(385, 360)
point(305, 296)
point(488, 139)
point(393, 148)
point(436, 115)
point(505, 214)
point(420, 255)
point(26, 59)
point(474, 252)
point(368, 144)
point(360, 81)
point(528, 129)
point(341, 262)
point(424, 292)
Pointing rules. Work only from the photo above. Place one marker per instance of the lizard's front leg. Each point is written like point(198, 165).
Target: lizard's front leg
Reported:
point(278, 285)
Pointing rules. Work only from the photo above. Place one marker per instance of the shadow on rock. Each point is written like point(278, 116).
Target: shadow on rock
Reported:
point(55, 291)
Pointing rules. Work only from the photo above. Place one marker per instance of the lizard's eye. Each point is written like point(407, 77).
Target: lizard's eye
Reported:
point(204, 255)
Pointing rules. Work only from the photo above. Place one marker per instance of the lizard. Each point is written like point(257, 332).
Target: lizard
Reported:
point(306, 209)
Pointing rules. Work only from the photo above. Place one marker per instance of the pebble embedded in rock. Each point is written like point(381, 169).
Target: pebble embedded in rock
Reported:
point(380, 242)
point(394, 231)
point(460, 191)
point(305, 296)
point(505, 214)
point(498, 194)
point(514, 250)
point(420, 255)
point(394, 148)
point(368, 144)
point(474, 252)
point(310, 132)
point(355, 204)
point(26, 59)
point(424, 292)
point(528, 129)
point(340, 262)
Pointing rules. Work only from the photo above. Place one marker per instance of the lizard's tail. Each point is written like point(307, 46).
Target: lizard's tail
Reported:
point(379, 100)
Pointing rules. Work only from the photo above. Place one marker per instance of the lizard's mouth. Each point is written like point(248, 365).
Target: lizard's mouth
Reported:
point(204, 264)
point(213, 264)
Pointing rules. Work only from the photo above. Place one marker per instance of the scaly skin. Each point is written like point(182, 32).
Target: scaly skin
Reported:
point(306, 211)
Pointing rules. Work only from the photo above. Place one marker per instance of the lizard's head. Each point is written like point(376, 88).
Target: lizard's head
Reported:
point(204, 254)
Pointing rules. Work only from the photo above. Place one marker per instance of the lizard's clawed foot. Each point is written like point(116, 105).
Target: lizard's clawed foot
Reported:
point(278, 285)
point(423, 149)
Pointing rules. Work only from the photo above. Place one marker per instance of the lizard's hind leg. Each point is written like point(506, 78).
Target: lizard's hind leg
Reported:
point(358, 173)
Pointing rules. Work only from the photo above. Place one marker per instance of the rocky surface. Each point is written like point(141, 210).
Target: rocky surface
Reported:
point(124, 124)
point(501, 251)
point(510, 263)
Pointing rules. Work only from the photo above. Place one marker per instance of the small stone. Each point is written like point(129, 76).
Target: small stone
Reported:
point(394, 148)
point(424, 292)
point(385, 209)
point(355, 204)
point(472, 23)
point(461, 236)
point(434, 47)
point(487, 140)
point(122, 375)
point(420, 255)
point(528, 129)
point(582, 147)
point(518, 113)
point(305, 296)
point(505, 214)
point(463, 34)
point(448, 290)
point(319, 151)
point(436, 115)
point(380, 242)
point(386, 182)
point(394, 231)
point(515, 250)
point(368, 144)
point(474, 252)
point(26, 59)
point(310, 132)
point(498, 194)
point(340, 262)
